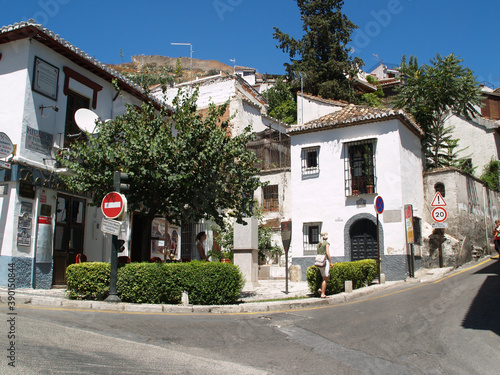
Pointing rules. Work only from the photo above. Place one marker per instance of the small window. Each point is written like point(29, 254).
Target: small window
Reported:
point(439, 187)
point(74, 103)
point(311, 233)
point(271, 199)
point(310, 161)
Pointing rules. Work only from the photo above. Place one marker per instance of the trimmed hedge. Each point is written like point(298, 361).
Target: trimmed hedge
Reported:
point(361, 273)
point(88, 280)
point(207, 283)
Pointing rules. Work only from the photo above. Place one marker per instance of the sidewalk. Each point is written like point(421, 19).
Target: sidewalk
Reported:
point(265, 296)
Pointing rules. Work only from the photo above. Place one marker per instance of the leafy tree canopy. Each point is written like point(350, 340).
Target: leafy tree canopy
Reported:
point(322, 54)
point(185, 166)
point(281, 102)
point(432, 93)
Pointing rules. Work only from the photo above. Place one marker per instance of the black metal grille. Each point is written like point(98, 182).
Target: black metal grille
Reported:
point(359, 167)
point(311, 233)
point(310, 161)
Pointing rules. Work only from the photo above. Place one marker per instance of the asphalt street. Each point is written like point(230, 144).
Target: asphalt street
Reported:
point(448, 326)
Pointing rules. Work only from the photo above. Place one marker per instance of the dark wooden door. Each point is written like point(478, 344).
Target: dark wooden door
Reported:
point(363, 235)
point(69, 234)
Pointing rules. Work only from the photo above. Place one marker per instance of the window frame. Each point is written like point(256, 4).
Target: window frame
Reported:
point(311, 248)
point(360, 177)
point(307, 169)
point(270, 198)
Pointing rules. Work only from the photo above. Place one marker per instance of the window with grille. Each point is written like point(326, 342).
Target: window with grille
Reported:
point(311, 234)
point(310, 161)
point(271, 199)
point(360, 167)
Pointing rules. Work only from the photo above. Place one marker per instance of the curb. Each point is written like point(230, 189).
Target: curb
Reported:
point(243, 308)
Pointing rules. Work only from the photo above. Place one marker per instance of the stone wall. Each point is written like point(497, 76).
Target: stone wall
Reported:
point(472, 209)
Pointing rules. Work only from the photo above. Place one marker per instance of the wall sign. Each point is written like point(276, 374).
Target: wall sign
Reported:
point(45, 78)
point(39, 141)
point(44, 240)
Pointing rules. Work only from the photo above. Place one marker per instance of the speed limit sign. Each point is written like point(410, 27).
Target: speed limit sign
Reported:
point(439, 214)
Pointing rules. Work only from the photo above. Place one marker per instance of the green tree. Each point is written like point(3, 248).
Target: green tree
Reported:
point(432, 93)
point(373, 99)
point(491, 174)
point(178, 71)
point(184, 166)
point(282, 106)
point(322, 53)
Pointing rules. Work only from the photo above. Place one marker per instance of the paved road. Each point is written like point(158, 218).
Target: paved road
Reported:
point(445, 327)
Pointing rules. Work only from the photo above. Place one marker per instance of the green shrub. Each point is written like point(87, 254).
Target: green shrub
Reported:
point(361, 273)
point(149, 283)
point(212, 283)
point(89, 280)
point(207, 283)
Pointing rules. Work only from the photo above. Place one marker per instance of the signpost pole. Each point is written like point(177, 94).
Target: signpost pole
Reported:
point(379, 209)
point(378, 253)
point(286, 236)
point(113, 296)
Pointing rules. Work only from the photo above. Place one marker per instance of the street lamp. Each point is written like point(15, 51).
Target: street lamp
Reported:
point(191, 54)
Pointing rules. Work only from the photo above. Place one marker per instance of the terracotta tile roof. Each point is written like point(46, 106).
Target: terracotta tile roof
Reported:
point(356, 115)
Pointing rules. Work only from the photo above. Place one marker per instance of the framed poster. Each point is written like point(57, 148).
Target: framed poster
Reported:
point(45, 78)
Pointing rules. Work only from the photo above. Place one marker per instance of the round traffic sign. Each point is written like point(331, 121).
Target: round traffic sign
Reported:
point(379, 205)
point(439, 214)
point(6, 146)
point(113, 205)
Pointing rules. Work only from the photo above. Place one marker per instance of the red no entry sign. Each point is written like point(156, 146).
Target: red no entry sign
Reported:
point(113, 205)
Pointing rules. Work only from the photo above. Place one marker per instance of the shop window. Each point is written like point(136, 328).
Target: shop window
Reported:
point(310, 161)
point(360, 175)
point(311, 233)
point(271, 198)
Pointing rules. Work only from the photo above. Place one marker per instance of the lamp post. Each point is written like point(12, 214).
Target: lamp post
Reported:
point(190, 56)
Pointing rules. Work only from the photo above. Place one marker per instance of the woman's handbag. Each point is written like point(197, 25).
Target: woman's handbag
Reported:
point(320, 260)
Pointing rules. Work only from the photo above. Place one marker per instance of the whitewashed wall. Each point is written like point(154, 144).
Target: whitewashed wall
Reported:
point(322, 199)
point(478, 142)
point(313, 109)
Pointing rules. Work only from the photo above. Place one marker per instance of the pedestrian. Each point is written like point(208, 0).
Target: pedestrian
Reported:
point(200, 247)
point(496, 236)
point(324, 249)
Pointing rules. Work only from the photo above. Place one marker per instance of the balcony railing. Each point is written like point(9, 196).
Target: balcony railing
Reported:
point(361, 185)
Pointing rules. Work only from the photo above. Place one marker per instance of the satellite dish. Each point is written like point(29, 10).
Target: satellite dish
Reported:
point(86, 120)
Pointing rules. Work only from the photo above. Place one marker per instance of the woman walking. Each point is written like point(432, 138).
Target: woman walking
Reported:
point(324, 249)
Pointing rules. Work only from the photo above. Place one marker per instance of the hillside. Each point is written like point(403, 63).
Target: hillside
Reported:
point(149, 68)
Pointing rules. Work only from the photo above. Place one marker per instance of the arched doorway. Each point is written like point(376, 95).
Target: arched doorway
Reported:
point(363, 236)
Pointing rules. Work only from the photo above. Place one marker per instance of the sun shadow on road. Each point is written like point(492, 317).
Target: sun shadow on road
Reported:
point(484, 311)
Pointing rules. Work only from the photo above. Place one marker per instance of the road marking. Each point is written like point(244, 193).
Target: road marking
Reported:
point(253, 312)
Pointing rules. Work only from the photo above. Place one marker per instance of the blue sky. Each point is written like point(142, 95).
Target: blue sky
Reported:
point(242, 29)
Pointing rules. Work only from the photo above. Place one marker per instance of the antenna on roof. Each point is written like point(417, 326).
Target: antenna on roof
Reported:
point(234, 66)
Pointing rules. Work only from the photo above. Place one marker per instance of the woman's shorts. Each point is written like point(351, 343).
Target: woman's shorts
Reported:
point(325, 271)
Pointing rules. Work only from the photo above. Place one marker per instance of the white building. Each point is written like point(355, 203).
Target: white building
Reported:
point(340, 163)
point(248, 108)
point(43, 81)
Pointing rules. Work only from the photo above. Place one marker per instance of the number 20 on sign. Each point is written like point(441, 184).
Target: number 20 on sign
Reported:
point(439, 214)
